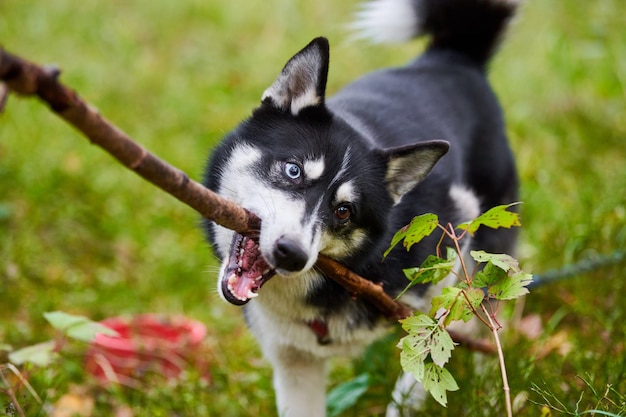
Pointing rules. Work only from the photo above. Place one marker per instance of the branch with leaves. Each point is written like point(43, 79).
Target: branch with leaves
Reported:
point(427, 347)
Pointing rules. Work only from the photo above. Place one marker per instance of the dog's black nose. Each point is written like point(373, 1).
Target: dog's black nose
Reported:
point(289, 255)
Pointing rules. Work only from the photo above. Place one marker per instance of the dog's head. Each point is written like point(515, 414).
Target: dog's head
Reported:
point(314, 181)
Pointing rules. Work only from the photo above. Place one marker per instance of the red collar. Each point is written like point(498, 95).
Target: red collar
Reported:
point(320, 328)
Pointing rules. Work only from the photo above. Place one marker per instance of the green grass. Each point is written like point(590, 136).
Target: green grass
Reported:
point(79, 233)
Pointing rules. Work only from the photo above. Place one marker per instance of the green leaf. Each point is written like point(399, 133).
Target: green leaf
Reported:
point(495, 218)
point(63, 321)
point(462, 285)
point(425, 337)
point(346, 395)
point(454, 302)
point(512, 287)
point(433, 269)
point(41, 354)
point(451, 254)
point(77, 327)
point(419, 324)
point(415, 346)
point(475, 296)
point(501, 260)
point(419, 228)
point(437, 381)
point(441, 346)
point(489, 275)
point(412, 357)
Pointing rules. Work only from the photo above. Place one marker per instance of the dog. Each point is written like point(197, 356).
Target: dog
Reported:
point(340, 175)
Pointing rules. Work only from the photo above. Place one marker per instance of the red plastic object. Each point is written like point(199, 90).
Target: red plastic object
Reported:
point(147, 343)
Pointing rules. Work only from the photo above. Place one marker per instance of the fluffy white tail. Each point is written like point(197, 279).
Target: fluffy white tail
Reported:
point(471, 27)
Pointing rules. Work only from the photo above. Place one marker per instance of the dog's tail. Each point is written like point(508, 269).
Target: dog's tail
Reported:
point(471, 27)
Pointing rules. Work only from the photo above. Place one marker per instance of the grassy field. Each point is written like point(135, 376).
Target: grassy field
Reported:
point(80, 234)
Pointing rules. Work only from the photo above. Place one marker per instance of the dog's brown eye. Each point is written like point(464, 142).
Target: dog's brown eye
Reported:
point(343, 212)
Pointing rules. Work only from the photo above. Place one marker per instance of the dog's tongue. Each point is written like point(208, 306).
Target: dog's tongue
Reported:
point(245, 272)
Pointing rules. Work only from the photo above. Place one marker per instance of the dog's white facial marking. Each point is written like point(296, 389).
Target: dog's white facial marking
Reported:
point(243, 157)
point(287, 218)
point(346, 193)
point(314, 168)
point(344, 166)
point(238, 184)
point(348, 243)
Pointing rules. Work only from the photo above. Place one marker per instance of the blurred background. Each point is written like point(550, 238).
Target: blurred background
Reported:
point(81, 234)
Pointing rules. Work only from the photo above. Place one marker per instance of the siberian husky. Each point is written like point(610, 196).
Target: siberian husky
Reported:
point(340, 175)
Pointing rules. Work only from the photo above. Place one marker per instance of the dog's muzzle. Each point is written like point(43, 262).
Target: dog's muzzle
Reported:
point(288, 256)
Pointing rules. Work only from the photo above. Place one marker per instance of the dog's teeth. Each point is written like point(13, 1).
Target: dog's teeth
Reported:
point(240, 263)
point(252, 294)
point(231, 280)
point(232, 292)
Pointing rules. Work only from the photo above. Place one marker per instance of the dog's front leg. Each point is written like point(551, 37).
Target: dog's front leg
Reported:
point(299, 383)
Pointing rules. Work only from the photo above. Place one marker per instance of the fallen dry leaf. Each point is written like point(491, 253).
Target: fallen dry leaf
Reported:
point(530, 326)
point(76, 403)
point(123, 411)
point(559, 342)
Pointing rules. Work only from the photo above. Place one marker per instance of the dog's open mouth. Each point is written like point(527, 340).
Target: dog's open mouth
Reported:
point(246, 271)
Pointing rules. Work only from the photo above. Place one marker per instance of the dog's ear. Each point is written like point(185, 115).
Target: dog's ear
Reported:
point(408, 165)
point(302, 82)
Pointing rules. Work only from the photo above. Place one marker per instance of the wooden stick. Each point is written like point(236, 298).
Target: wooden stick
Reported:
point(359, 286)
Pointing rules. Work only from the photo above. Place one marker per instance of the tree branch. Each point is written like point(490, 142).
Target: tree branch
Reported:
point(26, 78)
point(359, 286)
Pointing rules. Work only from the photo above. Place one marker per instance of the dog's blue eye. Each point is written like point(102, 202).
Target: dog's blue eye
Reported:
point(292, 170)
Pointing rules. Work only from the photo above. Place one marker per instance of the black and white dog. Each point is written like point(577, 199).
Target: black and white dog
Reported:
point(339, 176)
